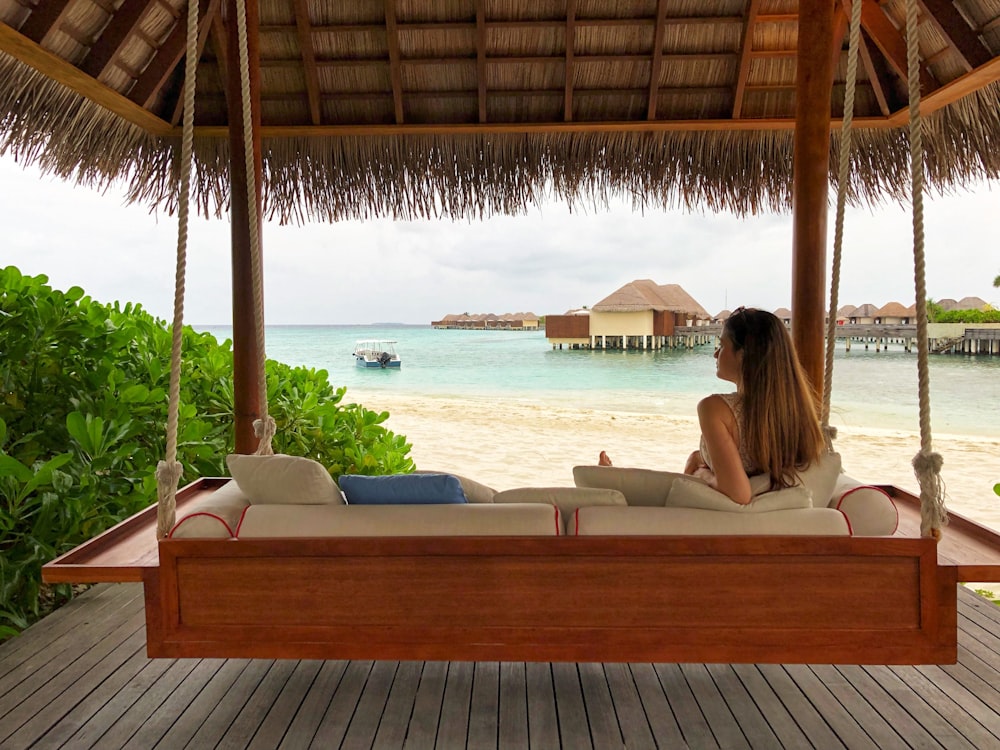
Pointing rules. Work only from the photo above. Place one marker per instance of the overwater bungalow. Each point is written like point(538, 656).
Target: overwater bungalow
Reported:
point(639, 315)
point(463, 110)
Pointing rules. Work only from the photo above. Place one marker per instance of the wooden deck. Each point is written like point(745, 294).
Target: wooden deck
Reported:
point(80, 679)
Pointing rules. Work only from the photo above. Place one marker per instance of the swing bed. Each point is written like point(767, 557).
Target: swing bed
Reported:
point(729, 599)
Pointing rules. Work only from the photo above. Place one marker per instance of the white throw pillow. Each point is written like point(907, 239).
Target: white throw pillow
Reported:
point(686, 492)
point(282, 479)
point(869, 510)
point(821, 478)
point(639, 486)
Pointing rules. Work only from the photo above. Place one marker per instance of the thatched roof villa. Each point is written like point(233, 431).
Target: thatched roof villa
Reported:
point(639, 315)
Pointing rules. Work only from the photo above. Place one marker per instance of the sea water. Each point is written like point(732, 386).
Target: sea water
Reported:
point(870, 389)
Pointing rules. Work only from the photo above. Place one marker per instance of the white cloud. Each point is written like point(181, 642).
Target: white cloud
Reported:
point(547, 261)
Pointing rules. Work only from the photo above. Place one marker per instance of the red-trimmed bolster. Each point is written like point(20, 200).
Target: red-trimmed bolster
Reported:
point(195, 515)
point(877, 489)
point(850, 530)
point(240, 524)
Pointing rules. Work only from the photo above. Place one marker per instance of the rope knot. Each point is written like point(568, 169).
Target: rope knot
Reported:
point(927, 462)
point(264, 429)
point(168, 474)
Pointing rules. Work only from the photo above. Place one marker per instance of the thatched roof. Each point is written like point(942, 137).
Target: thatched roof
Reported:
point(467, 108)
point(892, 310)
point(847, 311)
point(971, 303)
point(646, 294)
point(866, 310)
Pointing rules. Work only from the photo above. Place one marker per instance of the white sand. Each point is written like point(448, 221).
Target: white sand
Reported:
point(505, 444)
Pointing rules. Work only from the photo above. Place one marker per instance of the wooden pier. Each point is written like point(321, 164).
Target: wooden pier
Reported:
point(880, 337)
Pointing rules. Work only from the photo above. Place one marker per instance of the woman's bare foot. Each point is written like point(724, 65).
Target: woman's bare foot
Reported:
point(603, 460)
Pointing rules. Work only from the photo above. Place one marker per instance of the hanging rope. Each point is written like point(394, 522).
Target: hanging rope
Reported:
point(264, 427)
point(169, 470)
point(843, 175)
point(926, 464)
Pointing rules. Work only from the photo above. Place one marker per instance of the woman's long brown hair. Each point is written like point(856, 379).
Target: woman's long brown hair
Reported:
point(780, 429)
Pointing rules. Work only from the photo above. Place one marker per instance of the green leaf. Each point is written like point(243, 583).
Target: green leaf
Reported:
point(11, 467)
point(996, 488)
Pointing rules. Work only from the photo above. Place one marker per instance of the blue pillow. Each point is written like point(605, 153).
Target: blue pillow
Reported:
point(402, 489)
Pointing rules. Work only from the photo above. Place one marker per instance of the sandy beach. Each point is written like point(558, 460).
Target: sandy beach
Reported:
point(519, 443)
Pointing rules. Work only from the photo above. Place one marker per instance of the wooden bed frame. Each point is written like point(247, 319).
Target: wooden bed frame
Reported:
point(611, 599)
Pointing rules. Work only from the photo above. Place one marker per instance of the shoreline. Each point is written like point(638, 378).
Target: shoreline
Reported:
point(533, 442)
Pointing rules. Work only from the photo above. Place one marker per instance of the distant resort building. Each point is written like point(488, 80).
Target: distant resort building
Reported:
point(640, 315)
point(526, 321)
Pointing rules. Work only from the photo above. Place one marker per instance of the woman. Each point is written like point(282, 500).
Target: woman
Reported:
point(769, 425)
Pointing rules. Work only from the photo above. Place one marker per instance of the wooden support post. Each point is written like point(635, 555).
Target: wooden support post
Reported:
point(811, 160)
point(245, 354)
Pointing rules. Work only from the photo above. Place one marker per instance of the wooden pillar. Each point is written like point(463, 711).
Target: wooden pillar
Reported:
point(810, 181)
point(245, 353)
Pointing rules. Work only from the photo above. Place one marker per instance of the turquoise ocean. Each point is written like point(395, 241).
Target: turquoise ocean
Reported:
point(870, 389)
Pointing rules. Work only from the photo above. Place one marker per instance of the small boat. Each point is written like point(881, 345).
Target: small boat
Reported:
point(376, 353)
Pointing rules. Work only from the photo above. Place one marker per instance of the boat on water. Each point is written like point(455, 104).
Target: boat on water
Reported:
point(376, 353)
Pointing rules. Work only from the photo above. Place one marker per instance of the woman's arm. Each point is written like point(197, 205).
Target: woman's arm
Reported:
point(718, 427)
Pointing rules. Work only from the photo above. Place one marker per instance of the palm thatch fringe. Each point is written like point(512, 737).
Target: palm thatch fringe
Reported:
point(477, 175)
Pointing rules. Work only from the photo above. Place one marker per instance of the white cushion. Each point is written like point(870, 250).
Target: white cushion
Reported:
point(613, 521)
point(687, 492)
point(639, 486)
point(281, 479)
point(869, 510)
point(566, 499)
point(464, 519)
point(821, 479)
point(215, 516)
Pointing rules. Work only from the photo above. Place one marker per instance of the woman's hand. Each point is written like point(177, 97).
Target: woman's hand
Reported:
point(694, 463)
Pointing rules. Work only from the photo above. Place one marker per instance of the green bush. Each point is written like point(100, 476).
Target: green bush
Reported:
point(82, 424)
point(965, 316)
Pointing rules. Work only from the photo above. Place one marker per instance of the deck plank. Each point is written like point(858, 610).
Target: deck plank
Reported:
point(80, 679)
point(756, 730)
point(659, 713)
point(484, 722)
point(453, 729)
point(632, 721)
point(717, 713)
point(513, 714)
point(693, 725)
point(337, 718)
point(780, 721)
point(371, 706)
point(423, 729)
point(543, 717)
point(573, 729)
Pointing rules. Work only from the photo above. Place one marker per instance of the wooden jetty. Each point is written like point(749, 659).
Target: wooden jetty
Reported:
point(950, 338)
point(80, 679)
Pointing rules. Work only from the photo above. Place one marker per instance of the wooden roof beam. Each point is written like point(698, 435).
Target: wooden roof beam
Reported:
point(166, 60)
point(45, 17)
point(392, 43)
point(890, 42)
point(878, 76)
point(570, 41)
point(953, 27)
point(112, 39)
point(657, 60)
point(746, 50)
point(304, 27)
point(481, 57)
point(52, 66)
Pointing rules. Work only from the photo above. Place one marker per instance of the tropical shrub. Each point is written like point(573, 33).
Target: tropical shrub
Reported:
point(82, 423)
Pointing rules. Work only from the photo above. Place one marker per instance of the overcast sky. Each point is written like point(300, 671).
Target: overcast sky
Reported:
point(545, 262)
